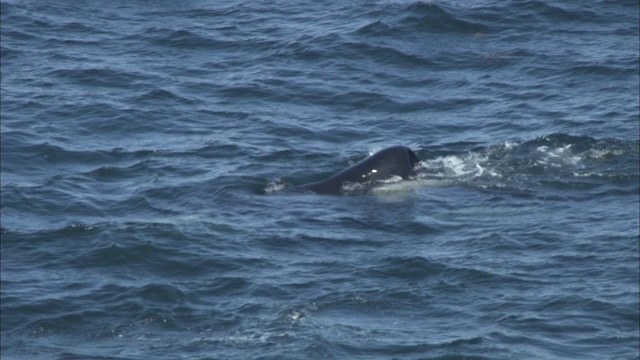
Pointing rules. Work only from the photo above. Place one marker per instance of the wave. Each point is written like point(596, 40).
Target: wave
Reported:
point(556, 161)
point(183, 39)
point(418, 18)
point(102, 77)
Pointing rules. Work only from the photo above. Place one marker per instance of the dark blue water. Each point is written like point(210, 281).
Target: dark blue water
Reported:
point(145, 146)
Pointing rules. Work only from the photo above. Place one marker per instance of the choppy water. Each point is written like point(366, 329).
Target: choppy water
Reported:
point(145, 144)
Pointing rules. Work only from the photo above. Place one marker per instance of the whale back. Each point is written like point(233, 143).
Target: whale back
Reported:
point(392, 161)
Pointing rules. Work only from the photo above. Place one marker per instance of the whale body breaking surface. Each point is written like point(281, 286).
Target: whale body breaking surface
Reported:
point(393, 161)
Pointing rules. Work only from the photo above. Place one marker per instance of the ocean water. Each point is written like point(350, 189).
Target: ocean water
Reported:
point(145, 146)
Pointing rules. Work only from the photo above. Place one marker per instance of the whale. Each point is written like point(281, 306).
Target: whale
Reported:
point(393, 161)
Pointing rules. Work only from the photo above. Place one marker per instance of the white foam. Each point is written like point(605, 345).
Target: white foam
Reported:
point(601, 153)
point(559, 156)
point(455, 167)
point(275, 186)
